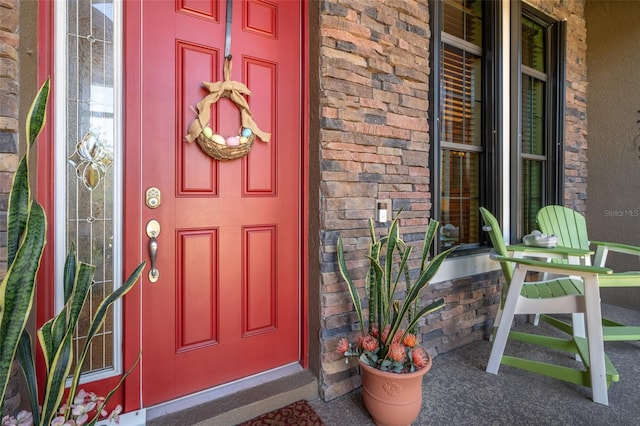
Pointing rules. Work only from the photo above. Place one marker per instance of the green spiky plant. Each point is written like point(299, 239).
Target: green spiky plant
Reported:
point(391, 320)
point(26, 229)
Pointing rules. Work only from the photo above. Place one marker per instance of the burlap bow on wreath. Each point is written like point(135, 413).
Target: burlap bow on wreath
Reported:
point(234, 90)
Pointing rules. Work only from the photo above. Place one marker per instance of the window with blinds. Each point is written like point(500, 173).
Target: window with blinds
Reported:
point(460, 121)
point(538, 163)
point(534, 88)
point(477, 157)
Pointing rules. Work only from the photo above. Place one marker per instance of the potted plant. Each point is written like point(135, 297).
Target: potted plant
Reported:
point(26, 229)
point(391, 360)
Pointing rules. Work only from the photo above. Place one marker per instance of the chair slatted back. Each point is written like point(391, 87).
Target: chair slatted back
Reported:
point(495, 234)
point(568, 225)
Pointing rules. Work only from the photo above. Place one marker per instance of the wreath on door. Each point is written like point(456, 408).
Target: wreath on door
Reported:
point(215, 145)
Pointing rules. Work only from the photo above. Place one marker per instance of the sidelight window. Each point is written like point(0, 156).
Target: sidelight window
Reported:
point(88, 167)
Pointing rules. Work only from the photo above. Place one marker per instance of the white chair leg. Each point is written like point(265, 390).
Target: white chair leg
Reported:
point(578, 328)
point(500, 341)
point(506, 319)
point(596, 341)
point(496, 321)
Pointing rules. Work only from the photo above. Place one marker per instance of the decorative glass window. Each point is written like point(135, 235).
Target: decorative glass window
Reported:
point(88, 164)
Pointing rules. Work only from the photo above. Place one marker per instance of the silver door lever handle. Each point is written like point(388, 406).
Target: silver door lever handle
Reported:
point(153, 253)
point(153, 230)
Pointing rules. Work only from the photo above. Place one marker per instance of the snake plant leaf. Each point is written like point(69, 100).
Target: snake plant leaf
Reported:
point(17, 290)
point(20, 194)
point(428, 240)
point(380, 290)
point(45, 331)
point(427, 275)
point(57, 375)
point(432, 307)
point(351, 286)
point(391, 248)
point(404, 258)
point(69, 272)
point(72, 285)
point(18, 210)
point(113, 391)
point(53, 333)
point(98, 320)
point(59, 341)
point(81, 288)
point(422, 281)
point(373, 291)
point(37, 117)
point(27, 363)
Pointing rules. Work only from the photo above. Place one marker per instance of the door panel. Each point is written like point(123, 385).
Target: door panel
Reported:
point(227, 301)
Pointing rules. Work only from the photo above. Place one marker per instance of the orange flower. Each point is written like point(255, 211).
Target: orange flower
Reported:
point(397, 352)
point(359, 340)
point(343, 346)
point(374, 330)
point(410, 340)
point(385, 333)
point(419, 357)
point(369, 343)
point(397, 336)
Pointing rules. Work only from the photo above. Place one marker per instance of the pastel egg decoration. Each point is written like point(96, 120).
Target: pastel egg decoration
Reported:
point(207, 132)
point(243, 140)
point(218, 139)
point(246, 132)
point(233, 141)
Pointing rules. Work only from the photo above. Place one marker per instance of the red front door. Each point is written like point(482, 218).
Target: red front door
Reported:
point(226, 304)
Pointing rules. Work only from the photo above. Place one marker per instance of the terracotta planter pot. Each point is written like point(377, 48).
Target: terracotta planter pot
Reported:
point(392, 399)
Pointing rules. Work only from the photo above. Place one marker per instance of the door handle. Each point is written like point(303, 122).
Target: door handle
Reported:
point(153, 230)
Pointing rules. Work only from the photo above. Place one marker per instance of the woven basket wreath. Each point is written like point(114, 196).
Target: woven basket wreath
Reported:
point(215, 145)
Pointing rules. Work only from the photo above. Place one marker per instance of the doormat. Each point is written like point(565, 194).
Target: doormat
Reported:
point(299, 413)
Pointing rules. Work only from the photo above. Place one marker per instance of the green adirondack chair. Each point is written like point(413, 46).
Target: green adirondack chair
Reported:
point(571, 230)
point(574, 289)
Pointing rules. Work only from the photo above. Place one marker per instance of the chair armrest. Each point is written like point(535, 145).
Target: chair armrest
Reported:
point(558, 251)
point(625, 279)
point(555, 268)
point(618, 247)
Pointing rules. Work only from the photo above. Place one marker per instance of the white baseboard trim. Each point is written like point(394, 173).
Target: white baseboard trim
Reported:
point(134, 418)
point(207, 395)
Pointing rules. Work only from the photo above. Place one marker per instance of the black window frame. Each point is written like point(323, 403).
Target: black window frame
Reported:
point(556, 32)
point(492, 156)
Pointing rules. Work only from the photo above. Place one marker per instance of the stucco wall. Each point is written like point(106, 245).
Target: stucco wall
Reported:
point(613, 63)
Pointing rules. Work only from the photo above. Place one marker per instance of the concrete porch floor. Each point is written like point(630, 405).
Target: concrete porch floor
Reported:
point(457, 390)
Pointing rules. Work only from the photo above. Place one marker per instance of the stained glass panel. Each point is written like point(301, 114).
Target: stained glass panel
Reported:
point(90, 129)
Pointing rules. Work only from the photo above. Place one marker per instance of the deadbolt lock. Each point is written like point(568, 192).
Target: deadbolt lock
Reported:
point(152, 198)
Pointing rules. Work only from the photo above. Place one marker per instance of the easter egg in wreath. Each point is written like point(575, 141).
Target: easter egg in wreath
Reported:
point(246, 132)
point(233, 141)
point(218, 139)
point(207, 132)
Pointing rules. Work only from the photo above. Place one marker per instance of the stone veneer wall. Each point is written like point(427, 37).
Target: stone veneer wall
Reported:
point(9, 128)
point(374, 144)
